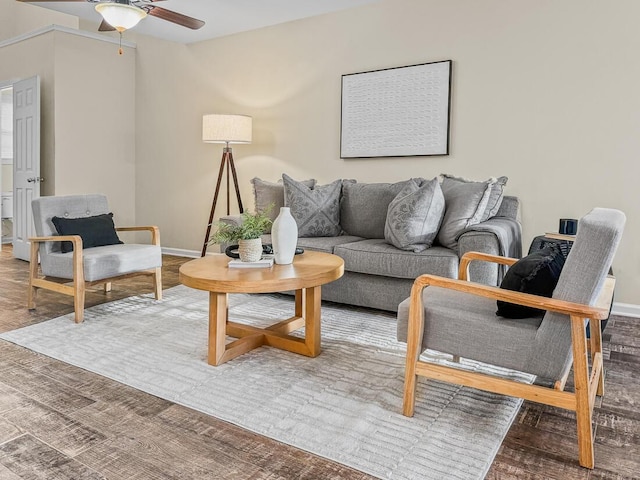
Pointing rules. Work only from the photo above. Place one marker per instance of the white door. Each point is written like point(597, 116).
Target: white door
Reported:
point(26, 161)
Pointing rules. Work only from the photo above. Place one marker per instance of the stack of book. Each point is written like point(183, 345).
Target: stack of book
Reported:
point(264, 262)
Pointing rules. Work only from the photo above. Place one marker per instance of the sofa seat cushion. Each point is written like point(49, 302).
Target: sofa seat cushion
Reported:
point(377, 257)
point(326, 244)
point(104, 262)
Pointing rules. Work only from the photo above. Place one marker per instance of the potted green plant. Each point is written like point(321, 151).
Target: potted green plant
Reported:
point(247, 234)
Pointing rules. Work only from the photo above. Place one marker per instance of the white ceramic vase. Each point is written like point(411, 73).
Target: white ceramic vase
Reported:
point(284, 237)
point(250, 250)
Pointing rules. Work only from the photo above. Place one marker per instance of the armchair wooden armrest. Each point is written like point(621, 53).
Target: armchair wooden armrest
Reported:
point(75, 239)
point(467, 258)
point(155, 232)
point(77, 290)
point(598, 311)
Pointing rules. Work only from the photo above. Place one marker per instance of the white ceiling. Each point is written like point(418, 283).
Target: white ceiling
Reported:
point(221, 17)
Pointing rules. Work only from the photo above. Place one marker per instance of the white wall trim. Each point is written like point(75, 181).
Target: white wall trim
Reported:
point(179, 252)
point(60, 28)
point(626, 309)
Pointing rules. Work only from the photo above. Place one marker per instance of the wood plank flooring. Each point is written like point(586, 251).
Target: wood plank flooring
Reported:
point(61, 422)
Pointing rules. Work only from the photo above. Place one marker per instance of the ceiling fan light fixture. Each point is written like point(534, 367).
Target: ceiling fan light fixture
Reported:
point(120, 15)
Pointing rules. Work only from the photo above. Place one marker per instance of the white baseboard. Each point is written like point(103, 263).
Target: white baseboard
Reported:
point(623, 309)
point(626, 309)
point(180, 252)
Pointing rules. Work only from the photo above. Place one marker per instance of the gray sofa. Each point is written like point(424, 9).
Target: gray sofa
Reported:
point(379, 275)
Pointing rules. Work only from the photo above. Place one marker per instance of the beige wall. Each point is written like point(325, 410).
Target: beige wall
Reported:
point(87, 114)
point(544, 92)
point(6, 174)
point(95, 122)
point(17, 18)
point(35, 56)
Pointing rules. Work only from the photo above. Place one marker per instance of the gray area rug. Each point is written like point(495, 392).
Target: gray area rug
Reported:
point(344, 405)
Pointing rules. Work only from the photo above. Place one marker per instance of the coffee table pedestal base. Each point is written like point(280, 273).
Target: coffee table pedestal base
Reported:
point(307, 315)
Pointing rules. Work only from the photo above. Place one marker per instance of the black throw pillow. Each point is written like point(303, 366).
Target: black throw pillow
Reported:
point(538, 274)
point(95, 231)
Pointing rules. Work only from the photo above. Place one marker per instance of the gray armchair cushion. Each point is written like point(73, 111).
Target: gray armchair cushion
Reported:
point(104, 262)
point(71, 206)
point(414, 216)
point(533, 345)
point(98, 262)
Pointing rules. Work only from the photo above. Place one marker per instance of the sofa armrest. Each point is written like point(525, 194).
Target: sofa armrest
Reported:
point(500, 236)
point(510, 208)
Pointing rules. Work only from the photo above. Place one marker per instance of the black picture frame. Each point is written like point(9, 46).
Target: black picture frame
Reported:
point(396, 112)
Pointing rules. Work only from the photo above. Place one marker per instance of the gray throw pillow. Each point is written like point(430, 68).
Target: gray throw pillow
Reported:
point(270, 193)
point(465, 205)
point(495, 196)
point(316, 210)
point(414, 216)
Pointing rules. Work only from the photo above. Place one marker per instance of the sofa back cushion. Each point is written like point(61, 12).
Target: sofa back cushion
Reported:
point(268, 194)
point(363, 208)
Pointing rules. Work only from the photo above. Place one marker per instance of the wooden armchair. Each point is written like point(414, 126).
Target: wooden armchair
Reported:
point(91, 266)
point(458, 317)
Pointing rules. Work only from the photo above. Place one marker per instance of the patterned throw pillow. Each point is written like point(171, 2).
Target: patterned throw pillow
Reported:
point(316, 210)
point(271, 194)
point(414, 216)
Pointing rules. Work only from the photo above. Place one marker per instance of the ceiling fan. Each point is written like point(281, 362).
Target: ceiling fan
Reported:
point(145, 5)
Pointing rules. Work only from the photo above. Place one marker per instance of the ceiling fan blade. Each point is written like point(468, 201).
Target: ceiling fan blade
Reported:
point(105, 27)
point(175, 17)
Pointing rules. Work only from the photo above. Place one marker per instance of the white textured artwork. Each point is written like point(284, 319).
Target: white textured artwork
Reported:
point(396, 112)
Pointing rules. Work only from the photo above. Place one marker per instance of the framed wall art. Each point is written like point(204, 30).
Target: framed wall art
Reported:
point(396, 112)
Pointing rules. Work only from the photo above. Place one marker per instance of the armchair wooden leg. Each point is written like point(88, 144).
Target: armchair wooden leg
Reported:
point(78, 284)
point(33, 273)
point(583, 404)
point(596, 347)
point(78, 301)
point(107, 287)
point(415, 330)
point(157, 283)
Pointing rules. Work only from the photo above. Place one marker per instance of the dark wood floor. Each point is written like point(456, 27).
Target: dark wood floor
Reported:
point(61, 422)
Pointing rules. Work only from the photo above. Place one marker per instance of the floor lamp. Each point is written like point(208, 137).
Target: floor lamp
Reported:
point(225, 129)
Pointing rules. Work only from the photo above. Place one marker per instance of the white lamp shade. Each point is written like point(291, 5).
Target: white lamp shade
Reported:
point(120, 16)
point(217, 128)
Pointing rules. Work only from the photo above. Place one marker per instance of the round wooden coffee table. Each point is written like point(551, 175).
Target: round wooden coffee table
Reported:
point(305, 275)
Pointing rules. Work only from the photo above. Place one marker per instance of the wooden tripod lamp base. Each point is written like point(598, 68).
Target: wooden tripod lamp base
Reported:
point(225, 129)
